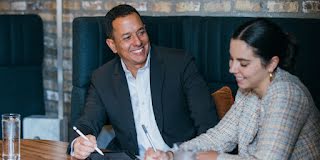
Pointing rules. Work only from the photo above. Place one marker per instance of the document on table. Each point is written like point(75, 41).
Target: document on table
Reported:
point(112, 156)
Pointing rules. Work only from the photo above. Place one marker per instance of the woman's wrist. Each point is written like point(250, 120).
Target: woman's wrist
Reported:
point(170, 155)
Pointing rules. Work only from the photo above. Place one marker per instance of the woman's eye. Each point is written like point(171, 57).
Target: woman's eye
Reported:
point(244, 65)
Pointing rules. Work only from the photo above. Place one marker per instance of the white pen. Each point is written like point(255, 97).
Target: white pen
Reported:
point(149, 138)
point(83, 136)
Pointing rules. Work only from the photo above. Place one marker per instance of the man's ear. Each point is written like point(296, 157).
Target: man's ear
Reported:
point(111, 44)
point(273, 63)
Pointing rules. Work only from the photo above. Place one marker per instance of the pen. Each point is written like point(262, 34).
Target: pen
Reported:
point(83, 136)
point(149, 138)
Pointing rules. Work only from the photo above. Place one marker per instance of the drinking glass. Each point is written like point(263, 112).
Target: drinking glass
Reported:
point(10, 136)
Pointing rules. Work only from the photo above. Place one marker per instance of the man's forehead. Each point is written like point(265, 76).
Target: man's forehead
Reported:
point(127, 24)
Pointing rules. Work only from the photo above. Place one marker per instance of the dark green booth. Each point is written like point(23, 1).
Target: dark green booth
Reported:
point(21, 57)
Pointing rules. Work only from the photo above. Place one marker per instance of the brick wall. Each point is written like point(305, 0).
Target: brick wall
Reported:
point(75, 8)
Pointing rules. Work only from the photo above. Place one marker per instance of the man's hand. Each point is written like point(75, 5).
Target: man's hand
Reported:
point(82, 148)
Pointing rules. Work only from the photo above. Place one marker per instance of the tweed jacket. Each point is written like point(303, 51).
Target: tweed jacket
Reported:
point(284, 124)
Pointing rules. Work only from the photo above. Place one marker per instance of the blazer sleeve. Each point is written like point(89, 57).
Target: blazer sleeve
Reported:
point(94, 115)
point(200, 103)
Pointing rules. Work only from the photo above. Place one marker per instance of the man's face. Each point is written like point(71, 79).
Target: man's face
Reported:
point(130, 40)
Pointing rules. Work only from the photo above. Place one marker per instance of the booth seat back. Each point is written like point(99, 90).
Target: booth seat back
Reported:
point(206, 38)
point(21, 56)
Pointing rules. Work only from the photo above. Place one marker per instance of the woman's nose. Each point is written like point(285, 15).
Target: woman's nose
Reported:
point(232, 67)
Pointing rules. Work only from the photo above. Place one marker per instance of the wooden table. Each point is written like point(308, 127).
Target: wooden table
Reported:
point(42, 150)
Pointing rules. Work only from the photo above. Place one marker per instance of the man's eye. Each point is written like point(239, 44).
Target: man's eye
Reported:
point(141, 32)
point(126, 38)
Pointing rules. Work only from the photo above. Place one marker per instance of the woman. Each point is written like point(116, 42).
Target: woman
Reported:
point(274, 116)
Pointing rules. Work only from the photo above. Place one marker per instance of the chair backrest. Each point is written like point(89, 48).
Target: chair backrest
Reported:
point(21, 57)
point(223, 99)
point(206, 38)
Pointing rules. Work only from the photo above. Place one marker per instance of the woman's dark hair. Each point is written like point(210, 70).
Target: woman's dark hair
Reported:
point(121, 10)
point(268, 40)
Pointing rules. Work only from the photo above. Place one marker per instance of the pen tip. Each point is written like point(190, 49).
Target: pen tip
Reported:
point(74, 128)
point(144, 128)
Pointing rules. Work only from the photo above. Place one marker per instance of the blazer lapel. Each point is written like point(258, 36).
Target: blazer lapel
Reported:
point(156, 82)
point(123, 97)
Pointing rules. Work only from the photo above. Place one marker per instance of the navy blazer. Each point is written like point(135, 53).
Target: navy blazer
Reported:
point(182, 104)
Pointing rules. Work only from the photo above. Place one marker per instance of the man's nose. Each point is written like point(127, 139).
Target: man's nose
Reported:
point(136, 40)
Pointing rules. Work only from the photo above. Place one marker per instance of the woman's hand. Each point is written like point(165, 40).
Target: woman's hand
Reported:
point(159, 155)
point(210, 155)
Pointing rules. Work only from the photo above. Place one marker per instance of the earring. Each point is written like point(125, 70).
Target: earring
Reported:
point(271, 76)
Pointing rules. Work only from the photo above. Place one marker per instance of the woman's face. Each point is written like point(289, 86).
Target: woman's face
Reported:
point(247, 68)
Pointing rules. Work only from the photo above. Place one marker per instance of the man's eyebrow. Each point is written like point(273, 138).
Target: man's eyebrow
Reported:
point(142, 28)
point(125, 34)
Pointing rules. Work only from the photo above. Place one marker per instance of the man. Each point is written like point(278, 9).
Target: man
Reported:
point(152, 86)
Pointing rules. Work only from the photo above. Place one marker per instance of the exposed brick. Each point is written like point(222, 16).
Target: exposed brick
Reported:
point(51, 108)
point(49, 41)
point(52, 95)
point(35, 5)
point(67, 74)
point(50, 28)
point(67, 17)
point(217, 6)
point(67, 98)
point(47, 16)
point(310, 6)
point(275, 6)
point(4, 6)
point(67, 28)
point(50, 84)
point(67, 64)
point(188, 6)
point(50, 62)
point(50, 73)
point(109, 4)
point(92, 5)
point(161, 7)
point(48, 5)
point(19, 6)
point(67, 41)
point(50, 52)
point(139, 6)
point(71, 5)
point(67, 107)
point(247, 5)
point(67, 86)
point(67, 53)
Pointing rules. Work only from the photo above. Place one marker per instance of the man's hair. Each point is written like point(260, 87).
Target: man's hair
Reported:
point(118, 11)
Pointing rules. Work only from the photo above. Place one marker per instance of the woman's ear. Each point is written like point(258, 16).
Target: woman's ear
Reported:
point(111, 44)
point(273, 64)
